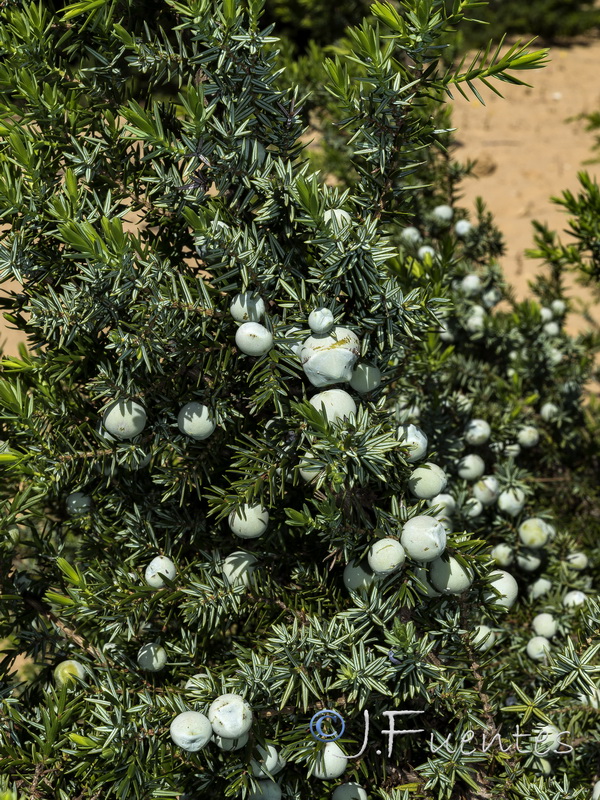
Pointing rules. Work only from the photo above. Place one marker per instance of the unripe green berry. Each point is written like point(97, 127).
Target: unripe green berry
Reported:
point(152, 657)
point(365, 378)
point(249, 521)
point(450, 577)
point(331, 762)
point(267, 790)
point(484, 638)
point(427, 481)
point(385, 556)
point(504, 583)
point(78, 503)
point(194, 420)
point(415, 439)
point(124, 418)
point(238, 567)
point(356, 577)
point(66, 672)
point(533, 532)
point(502, 554)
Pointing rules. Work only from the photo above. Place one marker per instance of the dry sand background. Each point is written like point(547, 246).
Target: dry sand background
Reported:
point(527, 152)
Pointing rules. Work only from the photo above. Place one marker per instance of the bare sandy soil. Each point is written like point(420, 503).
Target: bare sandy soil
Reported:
point(527, 151)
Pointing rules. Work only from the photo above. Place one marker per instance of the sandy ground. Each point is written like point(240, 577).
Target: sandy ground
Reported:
point(527, 151)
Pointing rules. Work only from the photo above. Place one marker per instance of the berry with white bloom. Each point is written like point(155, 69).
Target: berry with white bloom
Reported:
point(341, 216)
point(470, 285)
point(487, 490)
point(475, 322)
point(502, 554)
point(291, 340)
point(540, 587)
point(447, 503)
point(249, 521)
point(511, 450)
point(191, 731)
point(549, 411)
point(78, 503)
point(544, 625)
point(334, 404)
point(198, 681)
point(267, 790)
point(349, 791)
point(471, 467)
point(194, 420)
point(307, 470)
point(411, 235)
point(229, 745)
point(270, 760)
point(230, 716)
point(413, 437)
point(444, 213)
point(427, 481)
point(66, 672)
point(427, 589)
point(511, 501)
point(529, 560)
point(385, 556)
point(574, 598)
point(484, 638)
point(407, 411)
point(423, 538)
point(477, 431)
point(463, 228)
point(533, 532)
point(558, 307)
point(555, 356)
point(492, 297)
point(547, 739)
point(253, 339)
point(124, 418)
point(321, 320)
point(596, 791)
point(330, 358)
point(247, 307)
point(546, 314)
point(331, 762)
point(504, 583)
point(577, 561)
point(528, 436)
point(238, 567)
point(152, 657)
point(356, 577)
point(161, 565)
point(450, 577)
point(552, 328)
point(426, 251)
point(472, 508)
point(365, 378)
point(446, 334)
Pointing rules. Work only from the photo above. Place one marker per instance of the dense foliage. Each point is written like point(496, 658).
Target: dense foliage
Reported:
point(175, 404)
